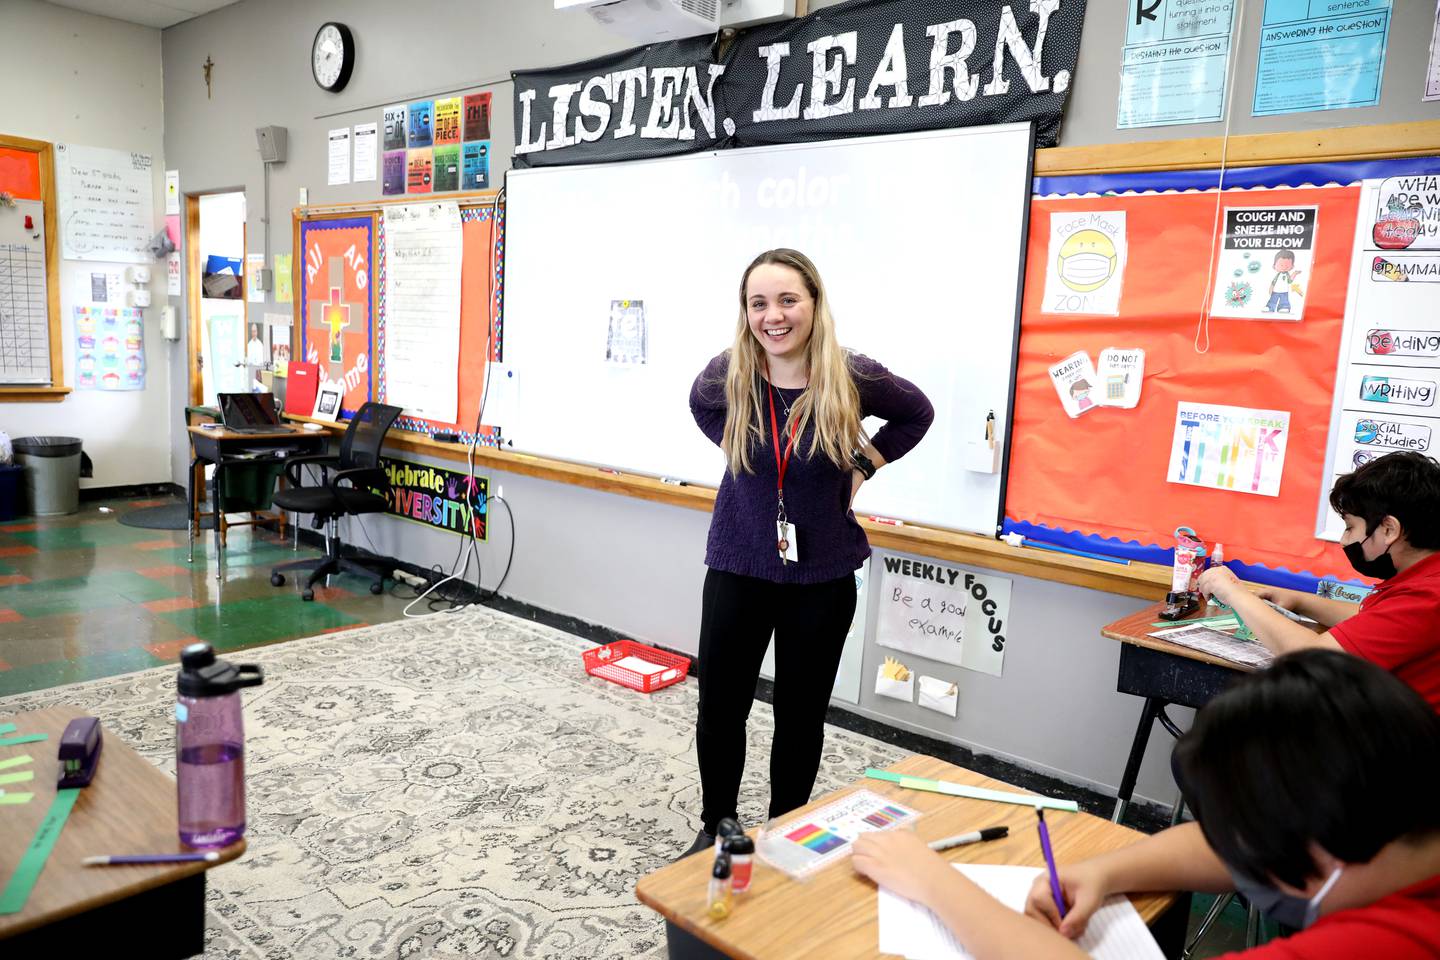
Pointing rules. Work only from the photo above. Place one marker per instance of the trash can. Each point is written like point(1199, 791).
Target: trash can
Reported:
point(51, 480)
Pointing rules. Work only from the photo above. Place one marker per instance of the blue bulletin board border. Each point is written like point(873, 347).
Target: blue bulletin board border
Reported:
point(1137, 552)
point(342, 223)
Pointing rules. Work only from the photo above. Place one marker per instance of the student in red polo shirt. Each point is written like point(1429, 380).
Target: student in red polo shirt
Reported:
point(1352, 831)
point(1391, 508)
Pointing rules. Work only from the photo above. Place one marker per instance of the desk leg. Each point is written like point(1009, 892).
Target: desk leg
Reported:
point(192, 505)
point(683, 945)
point(219, 508)
point(1153, 706)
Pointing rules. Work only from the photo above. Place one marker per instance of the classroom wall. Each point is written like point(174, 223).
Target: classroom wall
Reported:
point(73, 77)
point(631, 565)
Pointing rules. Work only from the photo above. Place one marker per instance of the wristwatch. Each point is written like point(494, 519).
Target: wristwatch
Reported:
point(863, 463)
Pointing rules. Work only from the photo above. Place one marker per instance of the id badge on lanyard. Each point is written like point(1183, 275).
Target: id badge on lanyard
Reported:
point(786, 539)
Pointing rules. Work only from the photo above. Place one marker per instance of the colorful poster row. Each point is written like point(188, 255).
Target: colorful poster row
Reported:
point(109, 348)
point(436, 146)
point(1390, 370)
point(1314, 55)
point(438, 498)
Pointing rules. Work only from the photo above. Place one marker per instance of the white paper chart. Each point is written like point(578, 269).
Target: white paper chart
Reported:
point(107, 206)
point(1390, 361)
point(423, 248)
point(24, 314)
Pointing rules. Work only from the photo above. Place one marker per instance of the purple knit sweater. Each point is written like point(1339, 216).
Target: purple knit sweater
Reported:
point(817, 492)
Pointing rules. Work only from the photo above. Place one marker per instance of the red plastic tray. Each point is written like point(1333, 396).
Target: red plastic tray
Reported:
point(604, 662)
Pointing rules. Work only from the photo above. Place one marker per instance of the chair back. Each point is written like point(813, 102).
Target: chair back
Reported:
point(361, 444)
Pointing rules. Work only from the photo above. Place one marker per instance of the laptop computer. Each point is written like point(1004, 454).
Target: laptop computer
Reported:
point(251, 413)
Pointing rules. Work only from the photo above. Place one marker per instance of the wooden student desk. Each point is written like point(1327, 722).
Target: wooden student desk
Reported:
point(129, 807)
point(1162, 673)
point(223, 448)
point(832, 915)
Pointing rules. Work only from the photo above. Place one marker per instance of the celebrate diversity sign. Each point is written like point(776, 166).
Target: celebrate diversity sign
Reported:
point(438, 498)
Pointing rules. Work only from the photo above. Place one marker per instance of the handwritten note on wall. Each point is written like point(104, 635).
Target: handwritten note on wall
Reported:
point(107, 207)
point(423, 249)
point(944, 613)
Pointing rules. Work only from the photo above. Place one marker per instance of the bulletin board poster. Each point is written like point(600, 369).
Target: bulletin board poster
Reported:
point(337, 305)
point(1107, 473)
point(481, 325)
point(438, 498)
point(1320, 55)
point(1390, 376)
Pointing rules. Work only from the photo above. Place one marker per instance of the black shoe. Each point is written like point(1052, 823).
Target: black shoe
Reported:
point(703, 841)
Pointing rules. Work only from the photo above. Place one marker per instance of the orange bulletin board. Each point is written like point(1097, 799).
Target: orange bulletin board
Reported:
point(1105, 472)
point(341, 267)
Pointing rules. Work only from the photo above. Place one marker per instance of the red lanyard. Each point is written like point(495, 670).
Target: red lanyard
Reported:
point(781, 463)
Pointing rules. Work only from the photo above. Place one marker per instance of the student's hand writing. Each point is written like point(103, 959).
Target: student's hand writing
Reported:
point(1085, 888)
point(901, 862)
point(1220, 583)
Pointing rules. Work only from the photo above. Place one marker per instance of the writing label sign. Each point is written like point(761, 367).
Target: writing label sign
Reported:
point(944, 613)
point(1398, 390)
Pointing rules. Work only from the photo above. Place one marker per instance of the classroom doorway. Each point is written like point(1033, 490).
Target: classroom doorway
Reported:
point(223, 358)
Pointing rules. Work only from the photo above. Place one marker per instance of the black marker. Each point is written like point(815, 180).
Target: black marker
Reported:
point(989, 833)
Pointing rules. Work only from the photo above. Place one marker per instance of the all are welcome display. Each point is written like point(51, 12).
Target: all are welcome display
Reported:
point(861, 68)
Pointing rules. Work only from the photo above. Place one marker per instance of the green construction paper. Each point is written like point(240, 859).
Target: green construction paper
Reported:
point(7, 728)
point(1199, 621)
point(19, 761)
point(973, 793)
point(12, 900)
point(20, 776)
point(14, 799)
point(28, 738)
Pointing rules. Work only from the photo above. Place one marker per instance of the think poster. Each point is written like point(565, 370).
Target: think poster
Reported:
point(1229, 448)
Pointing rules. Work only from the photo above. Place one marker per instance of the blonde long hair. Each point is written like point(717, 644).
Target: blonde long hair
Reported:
point(830, 398)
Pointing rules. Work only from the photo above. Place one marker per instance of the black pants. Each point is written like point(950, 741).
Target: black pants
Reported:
point(737, 616)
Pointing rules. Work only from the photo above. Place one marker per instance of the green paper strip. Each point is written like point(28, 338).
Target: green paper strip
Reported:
point(19, 776)
point(1197, 622)
point(28, 871)
point(7, 728)
point(972, 793)
point(14, 799)
point(28, 738)
point(15, 761)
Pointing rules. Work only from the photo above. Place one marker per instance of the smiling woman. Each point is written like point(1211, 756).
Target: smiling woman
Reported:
point(785, 404)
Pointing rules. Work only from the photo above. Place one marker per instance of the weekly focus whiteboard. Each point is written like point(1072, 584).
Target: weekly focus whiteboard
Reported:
point(622, 282)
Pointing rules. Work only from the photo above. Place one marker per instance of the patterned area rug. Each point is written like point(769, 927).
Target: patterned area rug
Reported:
point(449, 787)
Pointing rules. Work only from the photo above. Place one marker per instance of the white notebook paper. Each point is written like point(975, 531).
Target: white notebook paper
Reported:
point(1115, 931)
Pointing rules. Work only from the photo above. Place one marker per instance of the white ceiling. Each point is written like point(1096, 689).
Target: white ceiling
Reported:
point(147, 13)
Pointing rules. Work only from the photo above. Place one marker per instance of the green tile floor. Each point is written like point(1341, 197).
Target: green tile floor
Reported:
point(84, 596)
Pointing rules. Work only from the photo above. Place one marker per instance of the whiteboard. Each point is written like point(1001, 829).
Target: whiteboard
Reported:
point(24, 296)
point(107, 207)
point(919, 238)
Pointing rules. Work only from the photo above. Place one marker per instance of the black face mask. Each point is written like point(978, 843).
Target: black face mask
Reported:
point(1381, 568)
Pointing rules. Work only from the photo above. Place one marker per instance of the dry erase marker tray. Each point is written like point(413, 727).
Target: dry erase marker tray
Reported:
point(812, 841)
point(634, 665)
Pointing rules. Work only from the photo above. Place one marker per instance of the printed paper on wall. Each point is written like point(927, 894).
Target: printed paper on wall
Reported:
point(1264, 263)
point(1075, 381)
point(1229, 448)
point(1087, 270)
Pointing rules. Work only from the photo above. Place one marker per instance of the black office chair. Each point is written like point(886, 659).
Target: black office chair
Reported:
point(344, 492)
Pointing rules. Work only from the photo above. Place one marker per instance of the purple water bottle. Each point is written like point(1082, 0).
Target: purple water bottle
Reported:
point(210, 747)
